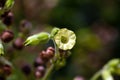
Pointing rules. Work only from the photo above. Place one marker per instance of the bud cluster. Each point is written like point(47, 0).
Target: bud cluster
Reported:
point(41, 62)
point(7, 34)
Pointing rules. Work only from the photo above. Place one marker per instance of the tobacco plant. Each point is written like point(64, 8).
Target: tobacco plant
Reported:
point(49, 60)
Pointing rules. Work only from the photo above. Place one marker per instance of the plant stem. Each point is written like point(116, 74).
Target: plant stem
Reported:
point(48, 72)
point(96, 76)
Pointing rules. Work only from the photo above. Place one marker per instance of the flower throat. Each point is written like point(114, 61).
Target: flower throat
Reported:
point(64, 39)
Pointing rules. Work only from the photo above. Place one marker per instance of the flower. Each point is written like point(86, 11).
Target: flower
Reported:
point(37, 38)
point(65, 39)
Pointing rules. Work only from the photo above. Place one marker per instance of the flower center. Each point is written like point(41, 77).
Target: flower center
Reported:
point(64, 39)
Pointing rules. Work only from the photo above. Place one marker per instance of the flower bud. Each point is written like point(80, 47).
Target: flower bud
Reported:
point(50, 52)
point(41, 68)
point(51, 48)
point(8, 19)
point(44, 56)
point(38, 74)
point(40, 71)
point(18, 43)
point(37, 38)
point(38, 61)
point(26, 69)
point(7, 36)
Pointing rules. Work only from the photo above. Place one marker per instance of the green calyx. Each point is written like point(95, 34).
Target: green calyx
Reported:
point(54, 32)
point(37, 39)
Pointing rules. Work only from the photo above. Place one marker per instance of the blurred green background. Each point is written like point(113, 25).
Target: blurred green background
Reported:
point(95, 22)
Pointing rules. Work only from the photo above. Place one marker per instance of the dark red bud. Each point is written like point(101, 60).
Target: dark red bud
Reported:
point(7, 36)
point(51, 48)
point(18, 43)
point(8, 20)
point(40, 71)
point(44, 56)
point(26, 69)
point(50, 53)
point(38, 61)
point(40, 68)
point(38, 74)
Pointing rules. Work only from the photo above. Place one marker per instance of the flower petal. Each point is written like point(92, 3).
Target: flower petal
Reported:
point(70, 39)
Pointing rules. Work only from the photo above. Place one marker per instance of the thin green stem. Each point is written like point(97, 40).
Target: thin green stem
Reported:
point(49, 71)
point(57, 54)
point(96, 76)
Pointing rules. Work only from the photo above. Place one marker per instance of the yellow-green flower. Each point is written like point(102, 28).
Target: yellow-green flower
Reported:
point(65, 39)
